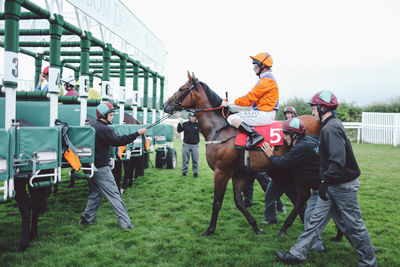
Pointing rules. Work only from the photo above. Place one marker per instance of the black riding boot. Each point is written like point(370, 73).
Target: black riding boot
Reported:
point(255, 137)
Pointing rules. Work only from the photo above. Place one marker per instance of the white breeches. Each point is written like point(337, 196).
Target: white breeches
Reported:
point(253, 117)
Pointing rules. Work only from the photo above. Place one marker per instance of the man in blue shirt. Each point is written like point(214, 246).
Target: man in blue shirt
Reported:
point(43, 76)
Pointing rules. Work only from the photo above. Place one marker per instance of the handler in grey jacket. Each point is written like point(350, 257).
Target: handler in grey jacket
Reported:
point(338, 190)
point(103, 182)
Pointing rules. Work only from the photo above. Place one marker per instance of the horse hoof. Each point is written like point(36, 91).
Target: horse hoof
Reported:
point(282, 233)
point(22, 248)
point(206, 233)
point(32, 235)
point(260, 232)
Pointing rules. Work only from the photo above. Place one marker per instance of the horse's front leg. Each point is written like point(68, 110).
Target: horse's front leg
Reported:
point(239, 182)
point(220, 182)
point(24, 206)
point(303, 194)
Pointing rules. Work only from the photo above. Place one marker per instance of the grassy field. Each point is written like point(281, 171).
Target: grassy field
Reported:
point(170, 212)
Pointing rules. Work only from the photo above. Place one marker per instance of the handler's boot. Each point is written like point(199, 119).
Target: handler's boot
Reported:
point(254, 137)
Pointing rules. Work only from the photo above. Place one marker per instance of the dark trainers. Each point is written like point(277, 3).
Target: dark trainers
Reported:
point(196, 175)
point(184, 174)
point(84, 222)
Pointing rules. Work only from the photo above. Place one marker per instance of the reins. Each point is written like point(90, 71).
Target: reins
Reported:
point(211, 109)
point(160, 120)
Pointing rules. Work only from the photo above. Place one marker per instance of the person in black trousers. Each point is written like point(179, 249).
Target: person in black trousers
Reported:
point(190, 145)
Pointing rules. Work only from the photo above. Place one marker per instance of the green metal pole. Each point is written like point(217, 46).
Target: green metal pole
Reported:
point(145, 93)
point(154, 99)
point(38, 67)
point(91, 80)
point(105, 83)
point(122, 83)
point(146, 88)
point(162, 93)
point(135, 96)
point(84, 78)
point(55, 64)
point(12, 12)
point(76, 74)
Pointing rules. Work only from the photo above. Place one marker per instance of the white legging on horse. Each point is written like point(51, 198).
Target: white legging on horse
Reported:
point(253, 117)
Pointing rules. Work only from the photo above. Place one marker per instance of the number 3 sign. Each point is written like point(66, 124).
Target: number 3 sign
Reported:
point(10, 66)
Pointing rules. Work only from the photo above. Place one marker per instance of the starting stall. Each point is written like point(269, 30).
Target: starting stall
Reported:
point(39, 129)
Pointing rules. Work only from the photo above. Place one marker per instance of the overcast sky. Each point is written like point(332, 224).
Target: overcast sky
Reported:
point(351, 47)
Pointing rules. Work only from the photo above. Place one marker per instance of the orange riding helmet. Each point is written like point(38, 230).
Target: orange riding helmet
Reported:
point(263, 58)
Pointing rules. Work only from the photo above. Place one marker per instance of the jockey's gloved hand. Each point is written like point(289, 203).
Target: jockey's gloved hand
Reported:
point(225, 103)
point(323, 189)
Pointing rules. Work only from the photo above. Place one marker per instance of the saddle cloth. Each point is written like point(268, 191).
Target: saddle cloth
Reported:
point(272, 133)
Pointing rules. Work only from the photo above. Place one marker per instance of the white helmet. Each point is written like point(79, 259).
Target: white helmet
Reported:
point(70, 80)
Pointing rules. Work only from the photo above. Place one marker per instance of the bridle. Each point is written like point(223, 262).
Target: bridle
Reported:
point(178, 100)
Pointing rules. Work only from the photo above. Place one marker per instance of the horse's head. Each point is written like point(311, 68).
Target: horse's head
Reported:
point(185, 97)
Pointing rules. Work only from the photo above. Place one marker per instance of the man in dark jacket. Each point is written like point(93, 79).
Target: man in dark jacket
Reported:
point(303, 159)
point(190, 145)
point(103, 182)
point(339, 173)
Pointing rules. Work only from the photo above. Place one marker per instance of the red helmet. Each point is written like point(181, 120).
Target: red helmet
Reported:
point(294, 125)
point(103, 109)
point(46, 70)
point(324, 98)
point(289, 109)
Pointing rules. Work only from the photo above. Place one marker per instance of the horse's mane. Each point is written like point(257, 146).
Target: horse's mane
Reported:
point(214, 99)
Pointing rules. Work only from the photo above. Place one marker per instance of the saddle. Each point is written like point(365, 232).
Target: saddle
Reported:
point(272, 134)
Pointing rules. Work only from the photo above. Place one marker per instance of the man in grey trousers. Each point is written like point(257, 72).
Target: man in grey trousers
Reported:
point(339, 174)
point(190, 145)
point(103, 182)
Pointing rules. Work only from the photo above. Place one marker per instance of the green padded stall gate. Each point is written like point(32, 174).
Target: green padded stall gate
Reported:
point(83, 139)
point(35, 112)
point(40, 143)
point(70, 113)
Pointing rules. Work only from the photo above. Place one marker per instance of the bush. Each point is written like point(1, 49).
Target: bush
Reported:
point(349, 112)
point(389, 106)
point(301, 106)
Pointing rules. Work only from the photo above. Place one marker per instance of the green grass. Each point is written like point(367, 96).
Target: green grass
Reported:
point(170, 213)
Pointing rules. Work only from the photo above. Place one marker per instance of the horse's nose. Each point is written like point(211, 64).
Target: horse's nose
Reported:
point(167, 108)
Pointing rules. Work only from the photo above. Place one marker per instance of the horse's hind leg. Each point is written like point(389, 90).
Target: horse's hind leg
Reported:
point(220, 183)
point(238, 187)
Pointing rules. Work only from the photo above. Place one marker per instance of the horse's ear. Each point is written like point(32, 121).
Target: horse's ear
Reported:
point(190, 78)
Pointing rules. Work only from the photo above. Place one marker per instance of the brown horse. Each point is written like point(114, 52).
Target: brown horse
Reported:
point(226, 161)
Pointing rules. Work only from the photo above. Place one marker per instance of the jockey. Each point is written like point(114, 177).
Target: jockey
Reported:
point(69, 84)
point(263, 100)
point(289, 112)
